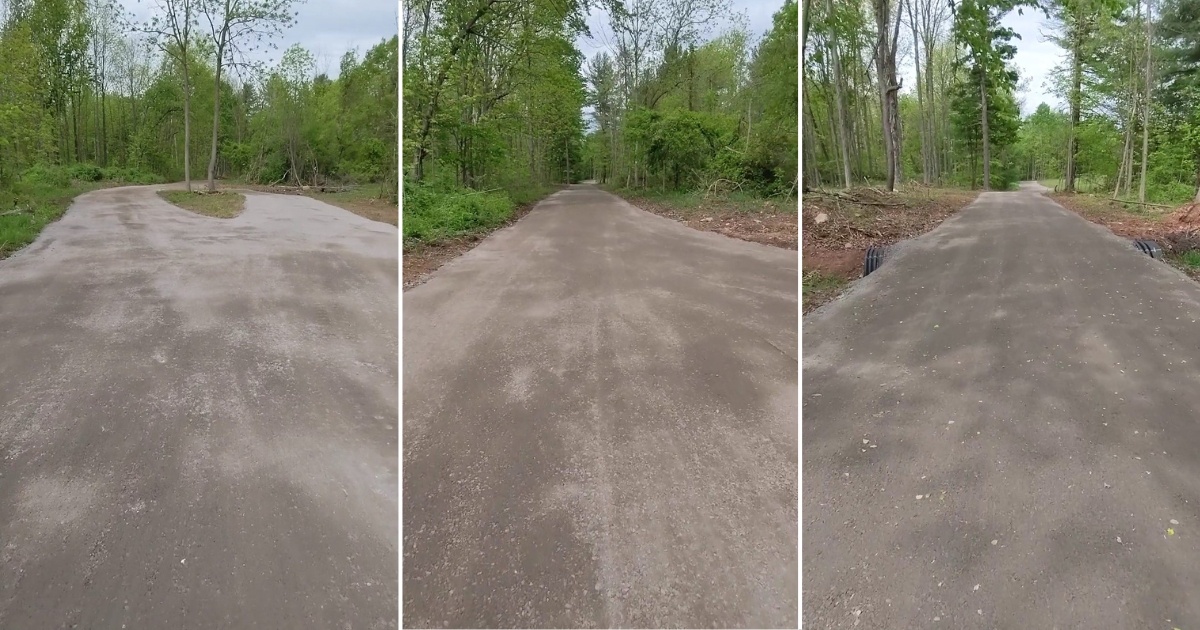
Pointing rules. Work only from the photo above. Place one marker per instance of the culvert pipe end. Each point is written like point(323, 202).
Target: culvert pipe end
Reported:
point(873, 260)
point(1149, 248)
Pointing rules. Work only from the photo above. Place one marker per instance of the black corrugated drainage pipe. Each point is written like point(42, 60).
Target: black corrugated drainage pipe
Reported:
point(873, 260)
point(1149, 248)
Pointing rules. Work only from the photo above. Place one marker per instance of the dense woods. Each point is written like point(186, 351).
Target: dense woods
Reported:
point(1128, 80)
point(682, 103)
point(955, 123)
point(90, 92)
point(495, 95)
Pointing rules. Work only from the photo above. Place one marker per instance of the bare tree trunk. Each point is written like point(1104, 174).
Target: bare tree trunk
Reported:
point(912, 18)
point(1076, 80)
point(840, 97)
point(1126, 155)
point(987, 149)
point(212, 155)
point(1146, 107)
point(187, 128)
point(885, 62)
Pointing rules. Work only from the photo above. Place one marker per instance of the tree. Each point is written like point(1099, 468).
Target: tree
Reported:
point(840, 99)
point(889, 86)
point(1079, 23)
point(171, 32)
point(978, 30)
point(237, 27)
point(1146, 107)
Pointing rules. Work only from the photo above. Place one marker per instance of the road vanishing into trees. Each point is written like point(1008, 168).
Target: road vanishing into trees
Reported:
point(600, 427)
point(198, 418)
point(1000, 431)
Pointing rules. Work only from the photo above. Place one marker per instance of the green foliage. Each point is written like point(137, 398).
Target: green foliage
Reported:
point(433, 213)
point(46, 176)
point(772, 164)
point(31, 204)
point(86, 172)
point(1191, 258)
point(1042, 144)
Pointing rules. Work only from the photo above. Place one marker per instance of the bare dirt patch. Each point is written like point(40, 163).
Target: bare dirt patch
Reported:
point(422, 259)
point(839, 226)
point(1176, 230)
point(770, 222)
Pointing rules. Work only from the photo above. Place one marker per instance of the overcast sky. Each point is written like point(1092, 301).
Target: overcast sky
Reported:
point(1035, 59)
point(757, 14)
point(327, 28)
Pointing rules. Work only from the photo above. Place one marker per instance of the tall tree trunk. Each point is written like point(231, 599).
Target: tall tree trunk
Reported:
point(212, 155)
point(187, 128)
point(1126, 156)
point(929, 36)
point(884, 75)
point(1076, 81)
point(987, 141)
point(912, 18)
point(1146, 106)
point(103, 128)
point(843, 139)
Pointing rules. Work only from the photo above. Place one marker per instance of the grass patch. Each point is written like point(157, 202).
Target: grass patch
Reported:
point(1191, 259)
point(221, 205)
point(434, 215)
point(817, 281)
point(25, 211)
point(817, 287)
point(44, 193)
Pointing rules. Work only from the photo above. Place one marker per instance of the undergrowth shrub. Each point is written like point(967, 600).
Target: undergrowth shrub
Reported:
point(433, 213)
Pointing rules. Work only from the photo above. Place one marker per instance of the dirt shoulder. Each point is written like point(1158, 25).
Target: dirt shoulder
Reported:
point(1176, 230)
point(839, 226)
point(422, 259)
point(767, 221)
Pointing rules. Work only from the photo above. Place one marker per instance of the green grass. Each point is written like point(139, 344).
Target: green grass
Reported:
point(817, 281)
point(434, 214)
point(220, 205)
point(1191, 258)
point(817, 288)
point(27, 210)
point(43, 193)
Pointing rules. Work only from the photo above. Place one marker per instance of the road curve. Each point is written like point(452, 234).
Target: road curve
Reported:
point(600, 427)
point(999, 431)
point(198, 418)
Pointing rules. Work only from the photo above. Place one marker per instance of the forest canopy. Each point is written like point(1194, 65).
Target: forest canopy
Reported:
point(91, 92)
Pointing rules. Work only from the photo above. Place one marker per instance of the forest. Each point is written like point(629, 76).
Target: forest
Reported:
point(501, 106)
point(926, 91)
point(92, 95)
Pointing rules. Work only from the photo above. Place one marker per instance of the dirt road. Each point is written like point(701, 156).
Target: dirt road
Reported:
point(600, 427)
point(1000, 431)
point(198, 418)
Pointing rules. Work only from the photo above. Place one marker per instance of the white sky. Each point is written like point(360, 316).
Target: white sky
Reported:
point(327, 28)
point(757, 13)
point(1034, 61)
